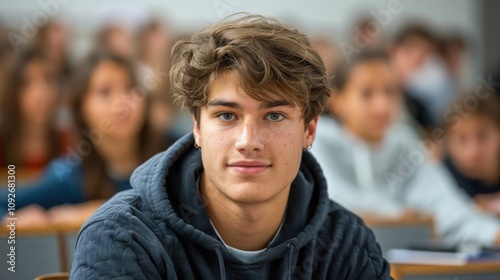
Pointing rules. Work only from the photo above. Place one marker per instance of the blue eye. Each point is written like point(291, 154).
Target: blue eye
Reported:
point(226, 117)
point(275, 117)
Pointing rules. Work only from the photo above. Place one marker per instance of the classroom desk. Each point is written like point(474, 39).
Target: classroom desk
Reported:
point(407, 219)
point(472, 271)
point(45, 247)
point(40, 250)
point(400, 231)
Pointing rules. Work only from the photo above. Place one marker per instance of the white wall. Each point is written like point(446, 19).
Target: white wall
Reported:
point(312, 16)
point(313, 13)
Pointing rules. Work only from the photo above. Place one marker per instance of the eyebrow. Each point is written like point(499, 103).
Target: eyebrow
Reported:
point(232, 104)
point(276, 103)
point(225, 103)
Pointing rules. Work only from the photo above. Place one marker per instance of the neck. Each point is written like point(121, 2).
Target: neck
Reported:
point(371, 141)
point(245, 226)
point(121, 155)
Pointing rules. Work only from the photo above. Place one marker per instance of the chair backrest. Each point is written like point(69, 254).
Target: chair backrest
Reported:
point(54, 276)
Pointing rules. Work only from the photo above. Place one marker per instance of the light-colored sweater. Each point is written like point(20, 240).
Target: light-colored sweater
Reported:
point(395, 175)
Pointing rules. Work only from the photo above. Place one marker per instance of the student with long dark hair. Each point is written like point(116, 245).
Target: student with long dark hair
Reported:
point(115, 137)
point(29, 138)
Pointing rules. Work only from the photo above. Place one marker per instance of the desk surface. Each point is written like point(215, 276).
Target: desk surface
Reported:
point(399, 271)
point(77, 215)
point(43, 229)
point(59, 219)
point(407, 219)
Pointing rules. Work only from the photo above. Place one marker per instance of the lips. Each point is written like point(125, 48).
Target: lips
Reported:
point(249, 167)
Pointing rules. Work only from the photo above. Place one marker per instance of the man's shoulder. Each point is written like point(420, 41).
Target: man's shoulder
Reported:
point(345, 227)
point(352, 242)
point(340, 215)
point(120, 209)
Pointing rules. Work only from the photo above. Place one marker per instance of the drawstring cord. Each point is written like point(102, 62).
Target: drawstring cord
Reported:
point(289, 268)
point(221, 261)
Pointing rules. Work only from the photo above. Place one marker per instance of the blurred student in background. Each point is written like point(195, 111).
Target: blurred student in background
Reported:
point(368, 33)
point(455, 52)
point(29, 138)
point(374, 166)
point(111, 116)
point(409, 50)
point(154, 64)
point(442, 74)
point(473, 151)
point(154, 44)
point(52, 40)
point(328, 53)
point(116, 38)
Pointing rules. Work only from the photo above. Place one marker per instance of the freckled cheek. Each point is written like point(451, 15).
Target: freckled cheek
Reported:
point(287, 150)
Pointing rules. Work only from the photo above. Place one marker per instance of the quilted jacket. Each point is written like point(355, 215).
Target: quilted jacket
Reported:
point(160, 230)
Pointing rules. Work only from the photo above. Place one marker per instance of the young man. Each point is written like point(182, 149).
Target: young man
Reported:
point(240, 197)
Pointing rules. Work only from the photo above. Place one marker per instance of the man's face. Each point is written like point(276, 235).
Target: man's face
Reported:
point(251, 150)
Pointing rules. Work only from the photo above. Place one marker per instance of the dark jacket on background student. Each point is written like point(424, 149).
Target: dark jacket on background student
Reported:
point(470, 186)
point(161, 230)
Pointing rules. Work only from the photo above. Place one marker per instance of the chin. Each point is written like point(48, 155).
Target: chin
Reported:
point(124, 132)
point(250, 193)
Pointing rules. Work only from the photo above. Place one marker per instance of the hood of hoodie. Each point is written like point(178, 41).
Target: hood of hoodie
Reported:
point(168, 182)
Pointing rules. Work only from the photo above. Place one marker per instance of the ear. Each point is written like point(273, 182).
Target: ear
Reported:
point(196, 131)
point(310, 132)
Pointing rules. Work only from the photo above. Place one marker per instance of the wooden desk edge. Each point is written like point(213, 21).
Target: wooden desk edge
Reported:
point(399, 271)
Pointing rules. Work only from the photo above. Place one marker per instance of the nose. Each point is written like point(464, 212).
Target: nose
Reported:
point(474, 148)
point(249, 138)
point(382, 103)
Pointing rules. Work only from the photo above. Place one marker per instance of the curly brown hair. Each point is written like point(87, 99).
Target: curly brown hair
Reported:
point(272, 61)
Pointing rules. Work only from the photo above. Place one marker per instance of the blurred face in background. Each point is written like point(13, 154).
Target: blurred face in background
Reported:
point(38, 94)
point(474, 146)
point(409, 55)
point(118, 40)
point(55, 40)
point(369, 101)
point(155, 41)
point(326, 50)
point(455, 57)
point(111, 97)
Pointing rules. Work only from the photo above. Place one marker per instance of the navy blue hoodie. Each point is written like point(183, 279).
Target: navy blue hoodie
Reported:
point(160, 230)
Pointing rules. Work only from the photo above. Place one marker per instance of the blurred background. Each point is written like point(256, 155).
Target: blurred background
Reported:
point(84, 100)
